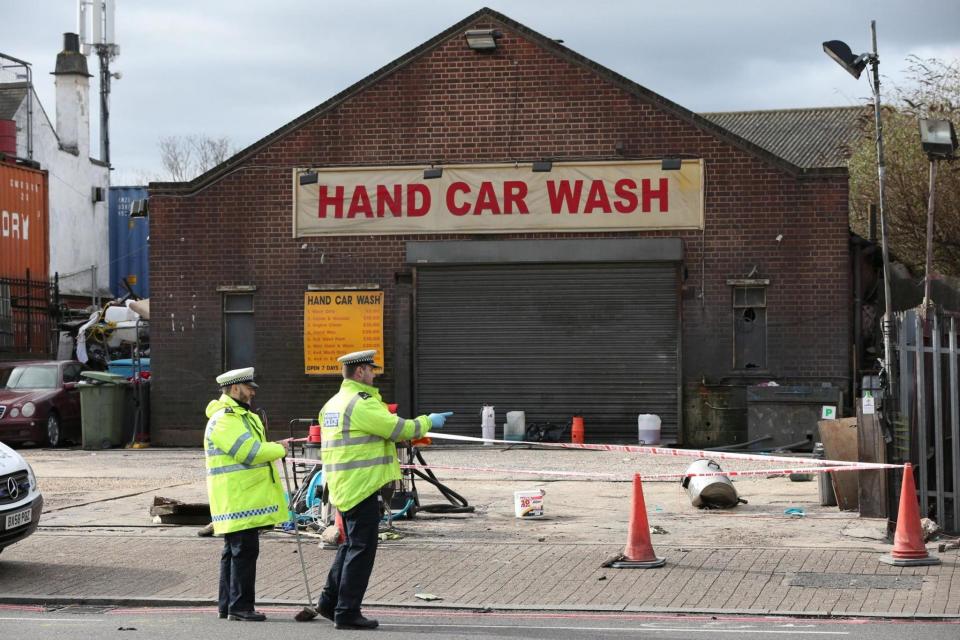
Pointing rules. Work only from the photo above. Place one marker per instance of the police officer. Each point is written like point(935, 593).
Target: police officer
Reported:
point(359, 455)
point(243, 487)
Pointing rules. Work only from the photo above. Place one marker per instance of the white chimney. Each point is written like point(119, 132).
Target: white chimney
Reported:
point(73, 97)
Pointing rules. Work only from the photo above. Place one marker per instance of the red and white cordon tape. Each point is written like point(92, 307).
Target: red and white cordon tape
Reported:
point(682, 453)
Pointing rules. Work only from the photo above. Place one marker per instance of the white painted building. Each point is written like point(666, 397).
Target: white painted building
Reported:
point(79, 184)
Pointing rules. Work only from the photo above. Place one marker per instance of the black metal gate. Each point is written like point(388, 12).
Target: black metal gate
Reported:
point(554, 340)
point(28, 318)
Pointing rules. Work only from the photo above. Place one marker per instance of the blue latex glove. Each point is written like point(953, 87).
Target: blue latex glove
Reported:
point(437, 419)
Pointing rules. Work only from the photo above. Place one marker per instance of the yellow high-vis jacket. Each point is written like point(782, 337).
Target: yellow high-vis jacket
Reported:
point(358, 447)
point(242, 483)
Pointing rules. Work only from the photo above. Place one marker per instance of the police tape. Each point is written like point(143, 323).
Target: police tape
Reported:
point(624, 476)
point(662, 451)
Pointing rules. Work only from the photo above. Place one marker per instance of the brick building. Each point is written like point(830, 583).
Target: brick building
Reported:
point(444, 189)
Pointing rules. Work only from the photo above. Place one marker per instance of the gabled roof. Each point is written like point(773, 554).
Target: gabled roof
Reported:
point(12, 95)
point(232, 164)
point(810, 138)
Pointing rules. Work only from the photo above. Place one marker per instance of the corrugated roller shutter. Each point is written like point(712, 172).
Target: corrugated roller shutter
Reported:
point(553, 340)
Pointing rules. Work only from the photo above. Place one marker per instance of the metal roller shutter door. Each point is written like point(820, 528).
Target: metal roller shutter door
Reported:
point(553, 340)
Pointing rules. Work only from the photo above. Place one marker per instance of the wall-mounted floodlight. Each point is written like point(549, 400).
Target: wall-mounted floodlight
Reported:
point(432, 173)
point(543, 166)
point(671, 164)
point(938, 138)
point(309, 177)
point(840, 52)
point(482, 39)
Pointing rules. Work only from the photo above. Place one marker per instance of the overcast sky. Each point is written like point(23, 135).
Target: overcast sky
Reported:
point(244, 68)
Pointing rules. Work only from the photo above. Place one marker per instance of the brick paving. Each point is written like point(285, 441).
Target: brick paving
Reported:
point(120, 567)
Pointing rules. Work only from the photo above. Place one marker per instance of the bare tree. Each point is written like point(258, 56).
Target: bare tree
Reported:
point(933, 92)
point(185, 157)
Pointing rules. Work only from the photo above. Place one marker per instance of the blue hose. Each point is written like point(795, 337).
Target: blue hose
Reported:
point(402, 512)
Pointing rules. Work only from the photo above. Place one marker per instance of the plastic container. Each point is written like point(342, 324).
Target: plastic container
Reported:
point(516, 425)
point(126, 367)
point(648, 429)
point(528, 504)
point(101, 413)
point(488, 425)
point(576, 430)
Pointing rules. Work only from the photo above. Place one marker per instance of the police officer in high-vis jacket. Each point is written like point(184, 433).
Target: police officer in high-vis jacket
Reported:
point(244, 489)
point(359, 454)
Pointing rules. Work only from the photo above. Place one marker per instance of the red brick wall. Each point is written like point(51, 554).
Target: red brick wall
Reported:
point(454, 105)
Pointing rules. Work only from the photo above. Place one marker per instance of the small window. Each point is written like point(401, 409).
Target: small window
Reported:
point(238, 331)
point(749, 327)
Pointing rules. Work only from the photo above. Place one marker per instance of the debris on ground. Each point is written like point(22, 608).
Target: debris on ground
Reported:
point(390, 534)
point(429, 597)
point(795, 512)
point(930, 528)
point(657, 529)
point(170, 511)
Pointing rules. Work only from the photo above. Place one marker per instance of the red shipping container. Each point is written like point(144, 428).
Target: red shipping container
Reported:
point(24, 223)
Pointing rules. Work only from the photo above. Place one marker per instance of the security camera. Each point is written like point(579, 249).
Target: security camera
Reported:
point(117, 75)
point(779, 237)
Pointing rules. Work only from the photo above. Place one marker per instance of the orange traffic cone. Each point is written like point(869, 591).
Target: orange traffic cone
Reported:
point(341, 527)
point(908, 548)
point(638, 554)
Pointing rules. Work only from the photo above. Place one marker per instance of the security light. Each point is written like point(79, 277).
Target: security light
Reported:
point(671, 164)
point(309, 178)
point(432, 173)
point(543, 166)
point(842, 54)
point(938, 138)
point(482, 39)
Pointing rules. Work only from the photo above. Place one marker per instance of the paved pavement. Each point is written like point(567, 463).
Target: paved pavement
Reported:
point(480, 566)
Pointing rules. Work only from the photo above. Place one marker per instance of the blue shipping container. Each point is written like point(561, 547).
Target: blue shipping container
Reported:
point(129, 243)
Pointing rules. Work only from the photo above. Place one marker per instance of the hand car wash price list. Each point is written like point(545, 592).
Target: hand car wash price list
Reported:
point(338, 322)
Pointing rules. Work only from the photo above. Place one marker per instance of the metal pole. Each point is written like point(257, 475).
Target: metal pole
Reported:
point(103, 51)
point(888, 302)
point(929, 266)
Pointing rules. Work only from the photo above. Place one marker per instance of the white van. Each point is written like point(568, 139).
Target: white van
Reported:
point(20, 498)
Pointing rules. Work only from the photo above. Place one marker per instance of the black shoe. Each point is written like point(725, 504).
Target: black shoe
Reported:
point(247, 616)
point(358, 622)
point(324, 609)
point(223, 614)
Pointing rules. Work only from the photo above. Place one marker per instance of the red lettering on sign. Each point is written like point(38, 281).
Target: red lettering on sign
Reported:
point(414, 210)
point(561, 196)
point(514, 195)
point(628, 199)
point(597, 198)
point(360, 203)
point(452, 206)
point(325, 200)
point(487, 200)
point(387, 201)
point(660, 194)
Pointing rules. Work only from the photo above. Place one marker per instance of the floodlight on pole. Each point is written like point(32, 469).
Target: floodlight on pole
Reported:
point(854, 65)
point(938, 139)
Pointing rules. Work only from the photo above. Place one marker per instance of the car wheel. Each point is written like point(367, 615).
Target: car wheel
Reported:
point(53, 431)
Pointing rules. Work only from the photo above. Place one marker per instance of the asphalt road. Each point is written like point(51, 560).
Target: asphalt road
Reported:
point(76, 622)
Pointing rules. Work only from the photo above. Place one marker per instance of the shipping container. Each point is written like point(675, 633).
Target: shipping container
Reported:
point(24, 223)
point(129, 242)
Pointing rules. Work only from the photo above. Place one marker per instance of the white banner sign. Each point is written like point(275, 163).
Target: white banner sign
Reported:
point(503, 198)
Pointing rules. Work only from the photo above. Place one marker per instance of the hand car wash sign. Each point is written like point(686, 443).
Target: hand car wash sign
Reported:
point(502, 198)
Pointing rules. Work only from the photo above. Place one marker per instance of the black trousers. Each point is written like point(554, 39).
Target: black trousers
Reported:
point(353, 564)
point(238, 571)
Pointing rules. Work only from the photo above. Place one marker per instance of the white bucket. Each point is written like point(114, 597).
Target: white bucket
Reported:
point(528, 504)
point(648, 429)
point(516, 425)
point(488, 427)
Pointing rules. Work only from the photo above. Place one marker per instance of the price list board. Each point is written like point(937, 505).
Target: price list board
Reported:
point(338, 322)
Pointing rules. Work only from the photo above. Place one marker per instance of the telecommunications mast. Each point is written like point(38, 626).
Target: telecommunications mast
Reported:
point(95, 26)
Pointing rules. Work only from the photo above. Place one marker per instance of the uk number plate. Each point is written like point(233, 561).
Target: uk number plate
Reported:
point(19, 518)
